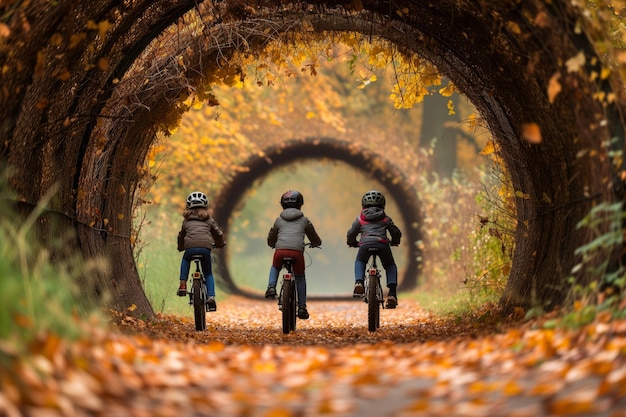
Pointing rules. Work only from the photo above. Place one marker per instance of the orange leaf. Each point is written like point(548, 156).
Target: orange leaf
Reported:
point(77, 38)
point(531, 133)
point(5, 31)
point(554, 87)
point(103, 64)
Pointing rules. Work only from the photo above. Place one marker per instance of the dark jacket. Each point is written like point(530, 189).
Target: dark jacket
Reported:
point(200, 233)
point(373, 225)
point(289, 230)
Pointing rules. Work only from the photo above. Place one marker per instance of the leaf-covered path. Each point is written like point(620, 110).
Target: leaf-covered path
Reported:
point(415, 365)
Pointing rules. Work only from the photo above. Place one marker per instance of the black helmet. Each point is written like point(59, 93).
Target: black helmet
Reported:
point(197, 199)
point(291, 199)
point(373, 198)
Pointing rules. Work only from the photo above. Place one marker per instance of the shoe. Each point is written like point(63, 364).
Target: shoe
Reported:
point(182, 289)
point(302, 313)
point(211, 304)
point(359, 290)
point(270, 292)
point(392, 301)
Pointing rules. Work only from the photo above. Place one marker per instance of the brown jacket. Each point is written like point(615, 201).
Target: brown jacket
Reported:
point(200, 233)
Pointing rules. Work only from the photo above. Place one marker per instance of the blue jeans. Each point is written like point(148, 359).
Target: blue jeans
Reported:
point(300, 284)
point(205, 262)
point(386, 258)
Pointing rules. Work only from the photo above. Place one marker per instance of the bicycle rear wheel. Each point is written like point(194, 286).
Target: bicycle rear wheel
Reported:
point(289, 306)
point(199, 300)
point(373, 303)
point(294, 312)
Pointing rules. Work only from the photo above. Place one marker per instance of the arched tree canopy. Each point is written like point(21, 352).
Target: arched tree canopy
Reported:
point(294, 151)
point(85, 87)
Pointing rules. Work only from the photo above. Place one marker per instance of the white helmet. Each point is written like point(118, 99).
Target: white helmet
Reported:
point(373, 198)
point(197, 199)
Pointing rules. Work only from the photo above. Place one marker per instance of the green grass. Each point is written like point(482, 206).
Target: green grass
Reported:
point(158, 264)
point(38, 296)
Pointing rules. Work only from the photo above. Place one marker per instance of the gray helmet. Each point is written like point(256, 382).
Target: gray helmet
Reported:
point(373, 198)
point(291, 199)
point(197, 199)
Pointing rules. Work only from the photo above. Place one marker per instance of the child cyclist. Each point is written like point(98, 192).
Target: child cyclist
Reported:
point(373, 224)
point(286, 236)
point(198, 235)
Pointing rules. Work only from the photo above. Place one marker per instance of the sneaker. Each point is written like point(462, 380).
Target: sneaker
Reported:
point(211, 304)
point(392, 301)
point(270, 292)
point(182, 289)
point(359, 290)
point(303, 313)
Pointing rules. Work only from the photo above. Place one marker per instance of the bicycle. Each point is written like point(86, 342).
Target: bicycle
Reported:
point(198, 296)
point(288, 295)
point(373, 292)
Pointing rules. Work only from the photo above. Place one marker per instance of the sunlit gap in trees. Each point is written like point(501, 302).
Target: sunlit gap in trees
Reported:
point(332, 193)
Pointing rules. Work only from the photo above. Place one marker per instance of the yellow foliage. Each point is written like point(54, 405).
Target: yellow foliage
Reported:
point(448, 90)
point(450, 107)
point(489, 148)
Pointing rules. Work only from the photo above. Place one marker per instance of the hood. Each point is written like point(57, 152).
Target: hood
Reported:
point(372, 214)
point(195, 217)
point(291, 214)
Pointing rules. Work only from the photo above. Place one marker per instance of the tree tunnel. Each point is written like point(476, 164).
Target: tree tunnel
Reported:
point(86, 86)
point(298, 150)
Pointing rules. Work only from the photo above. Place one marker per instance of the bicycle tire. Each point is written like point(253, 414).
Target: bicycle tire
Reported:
point(288, 307)
point(294, 311)
point(373, 303)
point(381, 299)
point(199, 309)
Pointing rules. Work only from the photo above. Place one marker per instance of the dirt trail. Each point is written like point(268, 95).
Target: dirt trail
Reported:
point(415, 365)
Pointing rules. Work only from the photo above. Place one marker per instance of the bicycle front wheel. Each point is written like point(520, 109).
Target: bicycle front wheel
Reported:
point(199, 309)
point(289, 306)
point(373, 304)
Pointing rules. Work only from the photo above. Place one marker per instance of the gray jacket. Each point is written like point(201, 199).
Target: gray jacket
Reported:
point(289, 230)
point(200, 233)
point(373, 225)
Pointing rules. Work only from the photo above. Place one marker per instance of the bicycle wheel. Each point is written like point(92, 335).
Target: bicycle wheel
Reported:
point(289, 306)
point(373, 304)
point(199, 299)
